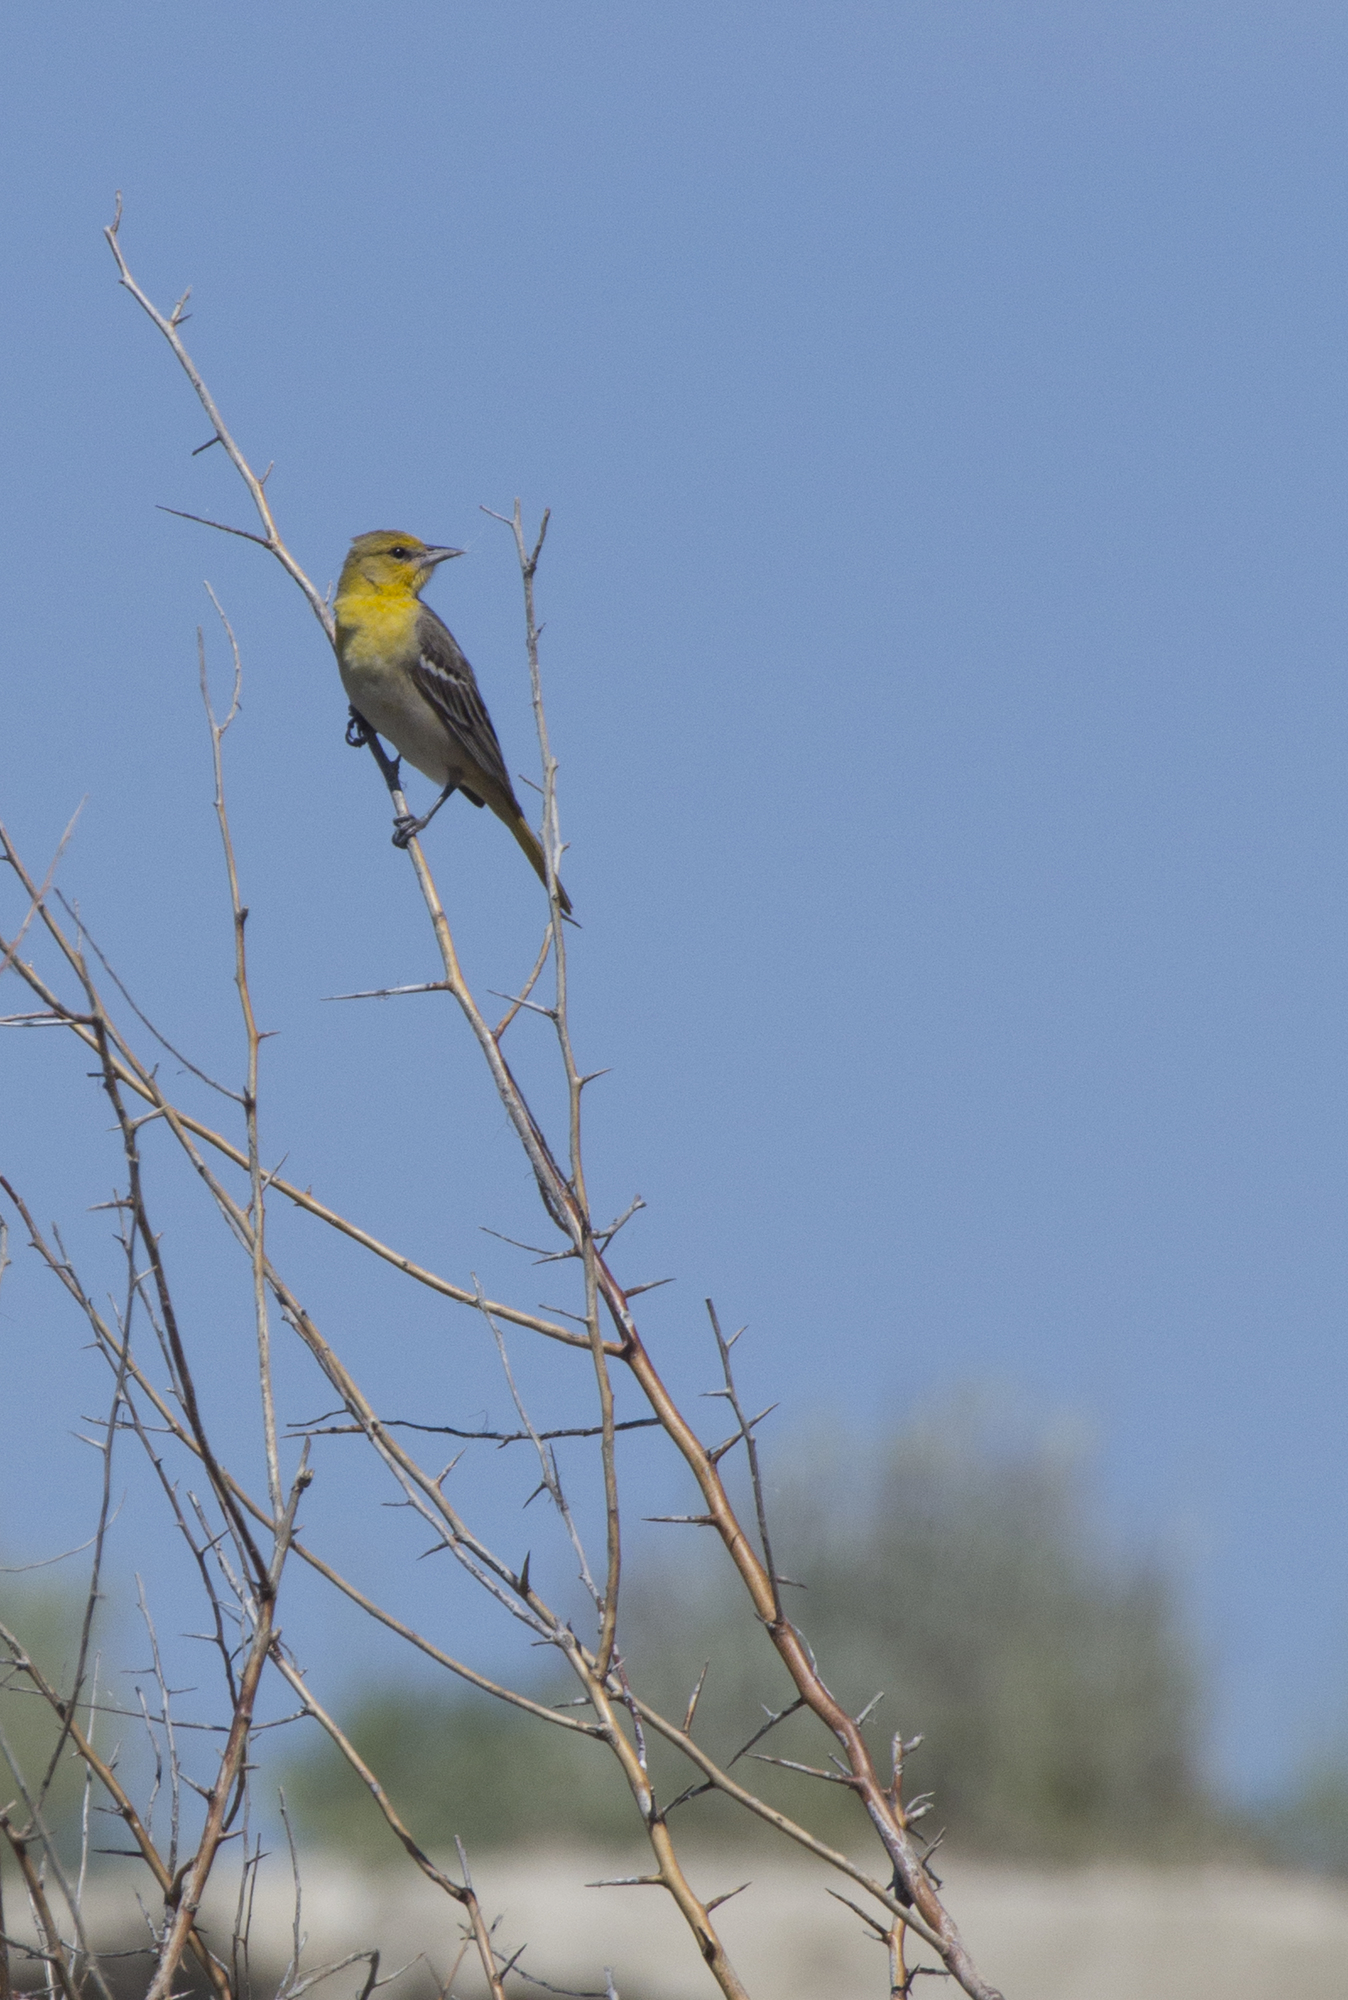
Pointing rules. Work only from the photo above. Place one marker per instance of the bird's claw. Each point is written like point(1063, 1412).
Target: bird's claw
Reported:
point(406, 827)
point(358, 730)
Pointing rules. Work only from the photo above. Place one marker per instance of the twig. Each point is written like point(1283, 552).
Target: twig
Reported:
point(464, 1895)
point(38, 1829)
point(746, 1431)
point(319, 1427)
point(721, 1781)
point(292, 1970)
point(95, 1573)
point(792, 1708)
point(547, 1465)
point(168, 326)
point(580, 1230)
point(48, 1932)
point(215, 1972)
point(165, 1709)
point(38, 896)
point(185, 1127)
point(198, 1871)
point(182, 1433)
point(257, 1210)
point(6, 1979)
point(202, 1075)
point(527, 988)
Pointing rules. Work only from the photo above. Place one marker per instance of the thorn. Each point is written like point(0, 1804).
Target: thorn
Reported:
point(694, 1698)
point(881, 1930)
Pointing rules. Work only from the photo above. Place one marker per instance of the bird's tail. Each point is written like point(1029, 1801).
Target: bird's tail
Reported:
point(527, 839)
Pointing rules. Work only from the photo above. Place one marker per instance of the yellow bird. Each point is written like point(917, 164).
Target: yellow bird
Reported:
point(406, 677)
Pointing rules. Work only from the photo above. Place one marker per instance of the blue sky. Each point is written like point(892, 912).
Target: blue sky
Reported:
point(943, 412)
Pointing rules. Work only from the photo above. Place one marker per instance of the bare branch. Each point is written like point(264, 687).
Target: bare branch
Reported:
point(257, 1209)
point(168, 325)
point(214, 1971)
point(140, 1015)
point(39, 895)
point(47, 1929)
point(188, 1892)
point(463, 1895)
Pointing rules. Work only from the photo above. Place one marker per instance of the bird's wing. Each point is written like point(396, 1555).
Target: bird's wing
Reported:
point(443, 676)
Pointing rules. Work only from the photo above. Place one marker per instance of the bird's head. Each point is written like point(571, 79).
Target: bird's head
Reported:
point(390, 560)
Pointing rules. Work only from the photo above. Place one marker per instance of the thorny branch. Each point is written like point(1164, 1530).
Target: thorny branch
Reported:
point(112, 1785)
point(616, 1712)
point(257, 1211)
point(462, 1893)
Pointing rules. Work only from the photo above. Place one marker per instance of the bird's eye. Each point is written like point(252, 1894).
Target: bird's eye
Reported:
point(401, 553)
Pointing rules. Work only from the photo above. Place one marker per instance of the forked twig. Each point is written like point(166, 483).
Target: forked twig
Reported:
point(257, 1207)
point(463, 1894)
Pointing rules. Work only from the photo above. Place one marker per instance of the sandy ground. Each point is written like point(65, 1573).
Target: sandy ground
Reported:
point(1099, 1933)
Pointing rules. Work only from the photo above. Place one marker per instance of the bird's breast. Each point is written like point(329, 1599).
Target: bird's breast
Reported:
point(376, 648)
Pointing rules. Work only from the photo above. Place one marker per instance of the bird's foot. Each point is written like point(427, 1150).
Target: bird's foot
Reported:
point(358, 730)
point(406, 827)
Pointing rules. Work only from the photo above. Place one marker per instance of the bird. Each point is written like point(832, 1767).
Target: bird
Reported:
point(407, 678)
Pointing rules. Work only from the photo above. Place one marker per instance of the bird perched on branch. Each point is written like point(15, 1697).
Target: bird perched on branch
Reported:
point(408, 679)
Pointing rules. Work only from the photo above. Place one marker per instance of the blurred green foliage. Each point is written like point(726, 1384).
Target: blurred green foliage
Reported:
point(1052, 1682)
point(45, 1618)
point(461, 1764)
point(1309, 1827)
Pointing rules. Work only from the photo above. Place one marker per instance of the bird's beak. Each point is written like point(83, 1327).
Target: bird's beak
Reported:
point(433, 556)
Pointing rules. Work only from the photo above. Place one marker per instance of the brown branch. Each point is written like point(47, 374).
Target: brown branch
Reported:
point(564, 1199)
point(522, 998)
point(189, 1883)
point(38, 896)
point(561, 1203)
point(240, 915)
point(746, 1431)
point(122, 1805)
point(886, 1814)
point(134, 1076)
point(465, 1896)
point(548, 1466)
point(38, 1829)
point(900, 1979)
point(6, 1980)
point(164, 1297)
point(168, 326)
point(118, 1354)
point(694, 1912)
point(575, 1084)
point(723, 1782)
point(53, 1951)
point(532, 1607)
point(95, 1574)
